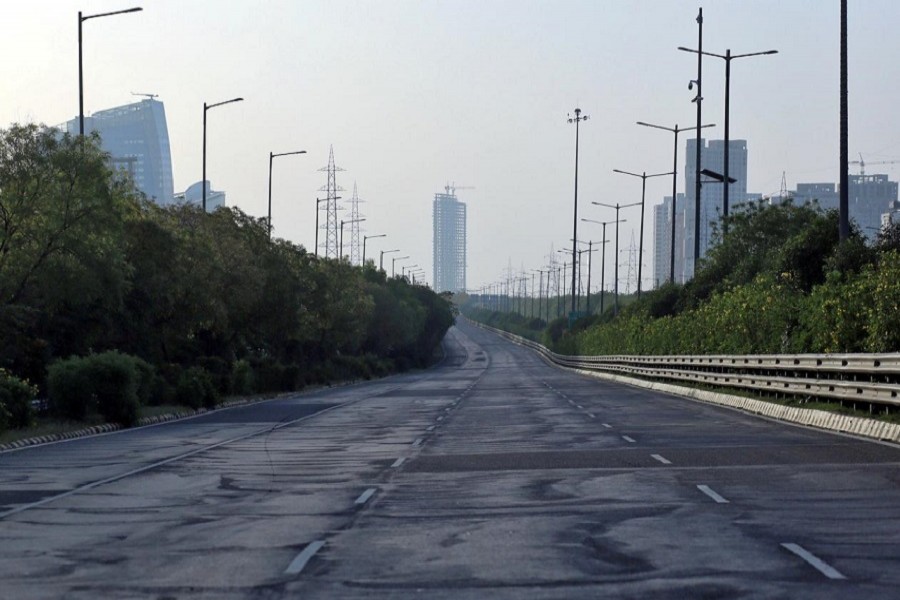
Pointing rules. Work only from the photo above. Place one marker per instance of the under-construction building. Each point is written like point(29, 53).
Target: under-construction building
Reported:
point(449, 243)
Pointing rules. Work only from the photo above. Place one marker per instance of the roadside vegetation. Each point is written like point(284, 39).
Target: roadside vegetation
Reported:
point(110, 303)
point(779, 282)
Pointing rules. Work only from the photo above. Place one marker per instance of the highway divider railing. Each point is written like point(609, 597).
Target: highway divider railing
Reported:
point(872, 379)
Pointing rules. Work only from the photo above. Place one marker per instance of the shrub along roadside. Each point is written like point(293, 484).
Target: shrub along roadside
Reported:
point(16, 396)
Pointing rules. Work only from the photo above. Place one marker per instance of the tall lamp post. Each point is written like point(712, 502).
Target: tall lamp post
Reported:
point(381, 258)
point(603, 258)
point(676, 131)
point(699, 100)
point(367, 237)
point(394, 263)
point(82, 19)
point(577, 119)
point(206, 107)
point(271, 157)
point(404, 268)
point(342, 233)
point(618, 207)
point(644, 177)
point(728, 57)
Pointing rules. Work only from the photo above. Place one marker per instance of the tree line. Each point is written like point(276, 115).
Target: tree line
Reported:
point(780, 281)
point(88, 267)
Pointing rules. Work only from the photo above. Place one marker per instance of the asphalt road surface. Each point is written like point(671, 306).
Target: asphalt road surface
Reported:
point(492, 475)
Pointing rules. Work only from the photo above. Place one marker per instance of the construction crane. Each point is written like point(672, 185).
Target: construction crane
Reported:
point(151, 96)
point(862, 163)
point(451, 188)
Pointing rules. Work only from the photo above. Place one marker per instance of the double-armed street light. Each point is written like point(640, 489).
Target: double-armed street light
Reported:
point(394, 263)
point(342, 233)
point(603, 258)
point(82, 19)
point(206, 107)
point(368, 237)
point(644, 177)
point(727, 57)
point(676, 131)
point(577, 119)
point(618, 207)
point(271, 157)
point(381, 258)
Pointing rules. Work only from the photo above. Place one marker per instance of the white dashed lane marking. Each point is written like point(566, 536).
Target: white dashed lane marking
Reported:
point(712, 494)
point(817, 563)
point(301, 559)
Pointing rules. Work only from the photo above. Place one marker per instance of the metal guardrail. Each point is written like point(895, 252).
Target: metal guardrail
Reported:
point(858, 378)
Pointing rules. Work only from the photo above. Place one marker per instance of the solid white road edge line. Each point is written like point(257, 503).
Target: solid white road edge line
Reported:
point(712, 494)
point(816, 562)
point(301, 559)
point(364, 497)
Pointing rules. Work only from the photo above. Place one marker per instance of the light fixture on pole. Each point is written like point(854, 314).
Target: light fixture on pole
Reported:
point(603, 259)
point(577, 119)
point(381, 258)
point(727, 57)
point(367, 237)
point(676, 131)
point(272, 156)
point(394, 263)
point(644, 177)
point(82, 19)
point(206, 107)
point(618, 207)
point(341, 257)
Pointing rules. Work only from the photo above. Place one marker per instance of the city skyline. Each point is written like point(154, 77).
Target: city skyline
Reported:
point(472, 92)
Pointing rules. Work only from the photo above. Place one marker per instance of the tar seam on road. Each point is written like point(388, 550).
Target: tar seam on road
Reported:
point(661, 459)
point(364, 497)
point(417, 442)
point(817, 563)
point(301, 559)
point(712, 494)
point(398, 462)
point(628, 439)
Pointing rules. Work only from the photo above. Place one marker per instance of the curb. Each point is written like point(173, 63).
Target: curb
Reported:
point(110, 427)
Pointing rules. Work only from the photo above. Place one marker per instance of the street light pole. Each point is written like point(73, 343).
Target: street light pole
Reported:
point(341, 257)
point(366, 237)
point(577, 119)
point(272, 156)
point(82, 19)
point(644, 177)
point(727, 57)
point(618, 207)
point(206, 107)
point(676, 131)
point(381, 258)
point(394, 263)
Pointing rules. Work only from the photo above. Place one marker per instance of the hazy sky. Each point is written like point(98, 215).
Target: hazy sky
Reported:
point(413, 94)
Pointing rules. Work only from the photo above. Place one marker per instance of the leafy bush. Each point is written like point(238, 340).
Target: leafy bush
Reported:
point(115, 380)
point(70, 389)
point(107, 383)
point(16, 396)
point(196, 388)
point(242, 379)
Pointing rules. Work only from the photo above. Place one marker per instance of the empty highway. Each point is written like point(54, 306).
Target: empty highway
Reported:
point(491, 475)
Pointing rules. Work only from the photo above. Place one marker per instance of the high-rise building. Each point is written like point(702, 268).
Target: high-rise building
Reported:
point(870, 197)
point(712, 192)
point(449, 243)
point(137, 139)
point(662, 240)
